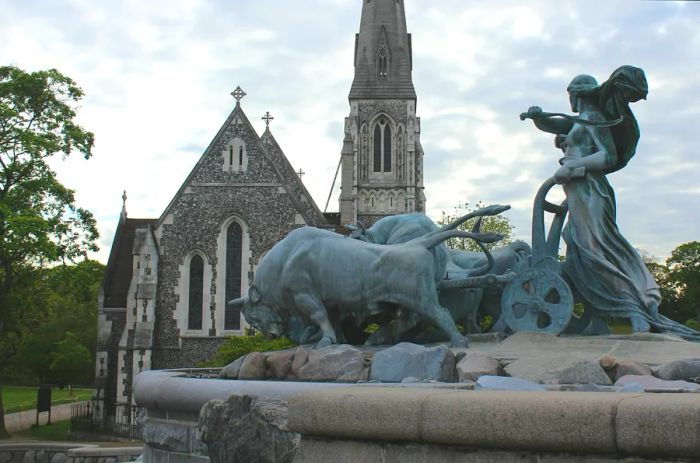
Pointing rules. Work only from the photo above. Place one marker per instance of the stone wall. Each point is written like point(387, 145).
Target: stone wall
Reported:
point(109, 384)
point(65, 453)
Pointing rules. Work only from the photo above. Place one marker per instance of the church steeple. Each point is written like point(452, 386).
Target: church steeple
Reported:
point(382, 158)
point(383, 59)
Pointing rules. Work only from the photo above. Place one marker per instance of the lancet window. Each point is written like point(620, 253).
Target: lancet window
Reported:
point(196, 296)
point(234, 256)
point(382, 146)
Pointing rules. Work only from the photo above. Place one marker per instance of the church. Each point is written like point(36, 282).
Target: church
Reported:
point(163, 300)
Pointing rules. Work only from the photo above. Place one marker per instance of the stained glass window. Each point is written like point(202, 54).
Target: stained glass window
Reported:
point(234, 256)
point(195, 309)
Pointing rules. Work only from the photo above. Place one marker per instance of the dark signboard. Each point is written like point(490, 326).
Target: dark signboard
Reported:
point(43, 399)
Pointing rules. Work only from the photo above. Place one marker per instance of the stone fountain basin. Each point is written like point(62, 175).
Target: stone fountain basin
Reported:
point(331, 415)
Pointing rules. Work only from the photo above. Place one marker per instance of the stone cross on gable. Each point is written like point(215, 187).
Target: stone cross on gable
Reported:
point(267, 118)
point(123, 213)
point(238, 94)
point(300, 173)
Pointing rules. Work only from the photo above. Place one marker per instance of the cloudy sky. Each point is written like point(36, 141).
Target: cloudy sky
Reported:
point(157, 77)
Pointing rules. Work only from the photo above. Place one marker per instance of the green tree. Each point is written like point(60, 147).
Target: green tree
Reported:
point(495, 224)
point(669, 295)
point(54, 300)
point(71, 362)
point(39, 221)
point(684, 277)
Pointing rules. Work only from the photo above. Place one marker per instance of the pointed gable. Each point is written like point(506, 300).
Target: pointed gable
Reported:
point(237, 156)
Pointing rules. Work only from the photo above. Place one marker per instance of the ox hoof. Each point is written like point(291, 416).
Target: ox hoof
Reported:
point(463, 341)
point(325, 342)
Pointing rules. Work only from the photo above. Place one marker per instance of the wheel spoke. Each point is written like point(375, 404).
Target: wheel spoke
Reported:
point(523, 299)
point(558, 311)
point(537, 300)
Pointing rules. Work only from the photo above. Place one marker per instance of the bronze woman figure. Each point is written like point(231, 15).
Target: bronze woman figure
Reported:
point(601, 265)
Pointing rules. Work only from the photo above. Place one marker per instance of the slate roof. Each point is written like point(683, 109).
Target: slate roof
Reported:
point(383, 22)
point(120, 264)
point(313, 214)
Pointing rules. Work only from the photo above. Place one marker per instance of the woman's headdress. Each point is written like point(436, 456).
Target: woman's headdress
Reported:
point(582, 85)
point(626, 85)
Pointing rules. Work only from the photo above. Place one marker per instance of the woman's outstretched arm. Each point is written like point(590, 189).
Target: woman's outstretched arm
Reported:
point(555, 125)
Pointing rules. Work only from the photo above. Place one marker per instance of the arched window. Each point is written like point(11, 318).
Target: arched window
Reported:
point(381, 64)
point(235, 156)
point(234, 255)
point(382, 146)
point(377, 148)
point(196, 297)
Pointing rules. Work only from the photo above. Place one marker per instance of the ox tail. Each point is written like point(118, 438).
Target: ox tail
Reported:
point(494, 209)
point(432, 239)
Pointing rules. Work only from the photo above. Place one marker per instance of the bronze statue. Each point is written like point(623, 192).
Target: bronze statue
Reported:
point(605, 271)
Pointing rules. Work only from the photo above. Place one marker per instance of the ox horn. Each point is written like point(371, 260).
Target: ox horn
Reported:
point(237, 304)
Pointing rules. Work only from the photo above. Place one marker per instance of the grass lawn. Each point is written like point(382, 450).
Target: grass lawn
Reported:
point(17, 398)
point(54, 432)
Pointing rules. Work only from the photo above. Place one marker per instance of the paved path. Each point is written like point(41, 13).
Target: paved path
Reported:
point(21, 421)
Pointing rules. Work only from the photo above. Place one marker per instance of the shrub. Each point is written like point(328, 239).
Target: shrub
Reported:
point(237, 346)
point(693, 324)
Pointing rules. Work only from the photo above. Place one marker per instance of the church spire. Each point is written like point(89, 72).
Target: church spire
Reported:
point(383, 59)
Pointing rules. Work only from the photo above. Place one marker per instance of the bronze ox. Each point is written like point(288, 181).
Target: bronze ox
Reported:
point(314, 276)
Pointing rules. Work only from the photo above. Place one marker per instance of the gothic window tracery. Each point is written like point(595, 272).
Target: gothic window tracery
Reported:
point(382, 146)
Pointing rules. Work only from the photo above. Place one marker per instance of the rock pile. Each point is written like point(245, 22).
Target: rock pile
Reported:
point(407, 362)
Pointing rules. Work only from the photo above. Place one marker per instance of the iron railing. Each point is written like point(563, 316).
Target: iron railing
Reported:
point(90, 417)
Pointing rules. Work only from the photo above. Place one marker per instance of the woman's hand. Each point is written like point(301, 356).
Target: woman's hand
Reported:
point(563, 174)
point(534, 112)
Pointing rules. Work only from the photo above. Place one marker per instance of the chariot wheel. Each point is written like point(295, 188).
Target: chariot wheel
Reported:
point(539, 300)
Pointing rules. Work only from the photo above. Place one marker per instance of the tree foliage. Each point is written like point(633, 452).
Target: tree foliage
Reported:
point(53, 301)
point(679, 282)
point(495, 224)
point(70, 360)
point(684, 277)
point(39, 221)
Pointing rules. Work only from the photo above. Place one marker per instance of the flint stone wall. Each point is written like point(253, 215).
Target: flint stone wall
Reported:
point(268, 204)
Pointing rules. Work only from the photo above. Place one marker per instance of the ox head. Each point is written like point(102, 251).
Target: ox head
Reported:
point(259, 315)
